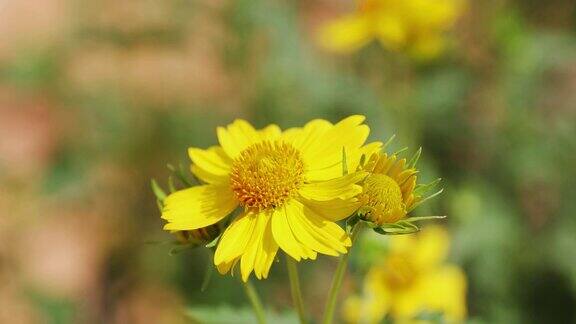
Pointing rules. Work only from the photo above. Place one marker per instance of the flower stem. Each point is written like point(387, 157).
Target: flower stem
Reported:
point(337, 280)
point(255, 301)
point(295, 288)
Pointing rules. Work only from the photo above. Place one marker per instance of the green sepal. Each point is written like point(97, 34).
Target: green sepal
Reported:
point(213, 243)
point(389, 141)
point(425, 187)
point(422, 218)
point(158, 192)
point(414, 159)
point(425, 199)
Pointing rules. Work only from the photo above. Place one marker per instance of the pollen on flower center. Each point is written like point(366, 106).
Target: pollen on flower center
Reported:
point(384, 196)
point(266, 174)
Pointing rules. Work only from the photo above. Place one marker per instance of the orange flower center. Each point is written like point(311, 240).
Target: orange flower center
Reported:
point(266, 174)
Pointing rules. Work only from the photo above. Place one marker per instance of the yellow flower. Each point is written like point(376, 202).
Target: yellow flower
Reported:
point(412, 279)
point(289, 185)
point(416, 27)
point(388, 192)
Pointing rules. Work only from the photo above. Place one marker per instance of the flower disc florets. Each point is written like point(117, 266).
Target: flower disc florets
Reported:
point(384, 196)
point(266, 174)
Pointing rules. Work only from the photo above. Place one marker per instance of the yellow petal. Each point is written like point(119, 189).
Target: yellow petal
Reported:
point(235, 238)
point(315, 232)
point(391, 31)
point(322, 143)
point(433, 246)
point(439, 290)
point(347, 34)
point(344, 187)
point(334, 209)
point(267, 250)
point(283, 235)
point(211, 165)
point(198, 207)
point(322, 152)
point(236, 137)
point(248, 260)
point(270, 132)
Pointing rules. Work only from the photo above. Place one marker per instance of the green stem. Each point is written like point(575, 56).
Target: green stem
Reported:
point(337, 280)
point(255, 301)
point(295, 288)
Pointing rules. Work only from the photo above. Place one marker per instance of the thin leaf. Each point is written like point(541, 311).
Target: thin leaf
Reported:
point(158, 192)
point(423, 188)
point(400, 151)
point(426, 199)
point(415, 158)
point(423, 218)
point(182, 176)
point(389, 141)
point(171, 185)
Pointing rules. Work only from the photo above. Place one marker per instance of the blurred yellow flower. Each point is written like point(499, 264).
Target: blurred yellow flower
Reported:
point(413, 279)
point(289, 185)
point(388, 192)
point(415, 27)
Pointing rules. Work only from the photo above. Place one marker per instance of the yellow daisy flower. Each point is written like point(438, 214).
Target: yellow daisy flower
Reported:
point(412, 279)
point(416, 27)
point(288, 184)
point(388, 192)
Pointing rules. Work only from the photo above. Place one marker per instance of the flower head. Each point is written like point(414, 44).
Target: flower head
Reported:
point(289, 186)
point(388, 191)
point(411, 280)
point(416, 27)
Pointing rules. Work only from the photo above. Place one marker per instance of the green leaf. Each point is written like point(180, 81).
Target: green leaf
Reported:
point(426, 199)
point(389, 141)
point(422, 218)
point(423, 188)
point(226, 314)
point(415, 158)
point(213, 242)
point(158, 192)
point(400, 151)
point(171, 185)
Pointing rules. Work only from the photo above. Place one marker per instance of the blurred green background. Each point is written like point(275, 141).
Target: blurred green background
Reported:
point(96, 97)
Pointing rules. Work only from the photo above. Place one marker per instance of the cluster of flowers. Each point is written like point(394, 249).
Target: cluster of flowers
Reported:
point(261, 191)
point(416, 28)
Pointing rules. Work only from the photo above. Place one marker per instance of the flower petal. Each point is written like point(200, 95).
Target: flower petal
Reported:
point(235, 238)
point(198, 207)
point(343, 187)
point(321, 145)
point(334, 209)
point(315, 232)
point(211, 165)
point(346, 34)
point(236, 137)
point(283, 235)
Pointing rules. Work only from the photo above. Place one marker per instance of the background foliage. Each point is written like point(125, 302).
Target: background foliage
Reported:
point(97, 97)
